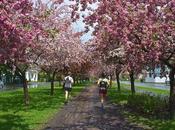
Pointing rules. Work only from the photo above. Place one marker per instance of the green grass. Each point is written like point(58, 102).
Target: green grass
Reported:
point(150, 123)
point(148, 89)
point(135, 117)
point(14, 115)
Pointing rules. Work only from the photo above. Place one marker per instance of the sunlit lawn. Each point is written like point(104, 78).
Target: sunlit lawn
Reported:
point(14, 116)
point(148, 89)
point(148, 122)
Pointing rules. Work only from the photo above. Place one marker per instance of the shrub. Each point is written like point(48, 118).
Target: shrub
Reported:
point(147, 104)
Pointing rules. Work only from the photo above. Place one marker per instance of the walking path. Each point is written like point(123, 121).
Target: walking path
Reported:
point(84, 113)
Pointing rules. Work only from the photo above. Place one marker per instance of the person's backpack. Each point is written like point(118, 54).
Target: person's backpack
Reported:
point(67, 83)
point(103, 84)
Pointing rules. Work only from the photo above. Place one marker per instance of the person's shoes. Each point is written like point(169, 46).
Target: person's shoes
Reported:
point(65, 102)
point(102, 107)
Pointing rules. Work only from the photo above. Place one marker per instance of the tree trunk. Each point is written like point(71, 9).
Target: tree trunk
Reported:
point(60, 83)
point(52, 87)
point(110, 80)
point(172, 94)
point(81, 81)
point(118, 80)
point(77, 81)
point(25, 89)
point(52, 84)
point(132, 82)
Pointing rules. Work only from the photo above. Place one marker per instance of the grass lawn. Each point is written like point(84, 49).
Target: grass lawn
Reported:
point(148, 89)
point(148, 122)
point(14, 115)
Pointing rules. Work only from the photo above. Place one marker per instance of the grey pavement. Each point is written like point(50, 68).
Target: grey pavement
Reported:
point(85, 113)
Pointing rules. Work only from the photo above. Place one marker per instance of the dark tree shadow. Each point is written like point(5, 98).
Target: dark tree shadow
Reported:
point(12, 122)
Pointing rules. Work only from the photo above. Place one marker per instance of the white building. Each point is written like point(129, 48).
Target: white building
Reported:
point(32, 74)
point(156, 77)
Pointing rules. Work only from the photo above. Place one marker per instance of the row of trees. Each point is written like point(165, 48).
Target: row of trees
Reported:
point(130, 35)
point(134, 35)
point(41, 36)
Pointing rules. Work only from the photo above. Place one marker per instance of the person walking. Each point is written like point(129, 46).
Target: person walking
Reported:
point(67, 84)
point(103, 84)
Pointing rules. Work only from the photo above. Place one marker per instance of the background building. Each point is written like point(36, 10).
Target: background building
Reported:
point(156, 76)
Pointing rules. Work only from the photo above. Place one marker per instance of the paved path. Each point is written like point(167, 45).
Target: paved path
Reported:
point(84, 113)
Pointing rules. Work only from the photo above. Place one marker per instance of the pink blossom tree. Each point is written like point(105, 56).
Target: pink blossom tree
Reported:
point(145, 28)
point(61, 49)
point(113, 52)
point(18, 29)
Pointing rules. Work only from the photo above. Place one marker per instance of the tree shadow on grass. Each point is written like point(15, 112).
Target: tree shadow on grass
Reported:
point(148, 121)
point(167, 126)
point(14, 103)
point(118, 97)
point(154, 124)
point(12, 122)
point(40, 99)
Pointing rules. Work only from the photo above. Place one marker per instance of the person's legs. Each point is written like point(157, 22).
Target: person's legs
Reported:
point(66, 95)
point(69, 93)
point(103, 97)
point(102, 101)
point(100, 95)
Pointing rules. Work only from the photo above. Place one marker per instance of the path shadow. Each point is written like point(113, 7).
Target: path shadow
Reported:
point(85, 113)
point(112, 119)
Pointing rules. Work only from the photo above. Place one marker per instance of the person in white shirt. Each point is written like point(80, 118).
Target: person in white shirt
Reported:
point(68, 81)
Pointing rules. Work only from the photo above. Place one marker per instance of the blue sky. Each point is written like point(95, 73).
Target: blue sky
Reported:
point(79, 25)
